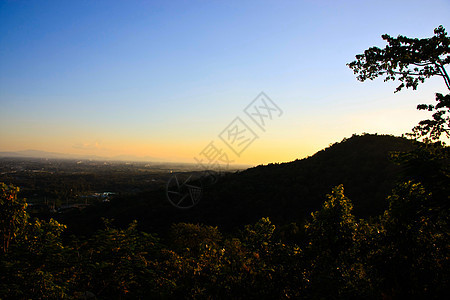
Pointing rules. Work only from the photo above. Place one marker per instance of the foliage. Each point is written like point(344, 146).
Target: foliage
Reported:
point(13, 215)
point(410, 256)
point(402, 252)
point(333, 237)
point(259, 236)
point(191, 238)
point(440, 122)
point(429, 164)
point(411, 61)
point(36, 265)
point(115, 262)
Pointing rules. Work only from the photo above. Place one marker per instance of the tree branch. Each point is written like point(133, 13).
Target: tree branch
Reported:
point(445, 75)
point(412, 74)
point(423, 64)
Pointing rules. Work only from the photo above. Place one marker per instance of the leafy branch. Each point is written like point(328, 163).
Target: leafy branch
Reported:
point(411, 61)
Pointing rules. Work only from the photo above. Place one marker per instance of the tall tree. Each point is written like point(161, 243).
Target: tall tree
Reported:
point(411, 61)
point(332, 238)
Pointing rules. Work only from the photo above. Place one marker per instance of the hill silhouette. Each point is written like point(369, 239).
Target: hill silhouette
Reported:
point(290, 191)
point(286, 192)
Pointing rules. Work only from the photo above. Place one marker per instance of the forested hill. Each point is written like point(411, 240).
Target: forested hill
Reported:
point(289, 191)
point(283, 192)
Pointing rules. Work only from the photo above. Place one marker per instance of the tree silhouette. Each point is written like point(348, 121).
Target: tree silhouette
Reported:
point(411, 61)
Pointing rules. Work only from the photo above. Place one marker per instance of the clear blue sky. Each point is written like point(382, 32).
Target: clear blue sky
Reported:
point(163, 79)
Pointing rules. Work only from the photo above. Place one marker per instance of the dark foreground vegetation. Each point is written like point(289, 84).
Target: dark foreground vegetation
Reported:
point(401, 252)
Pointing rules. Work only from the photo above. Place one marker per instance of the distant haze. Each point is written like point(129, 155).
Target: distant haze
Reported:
point(54, 155)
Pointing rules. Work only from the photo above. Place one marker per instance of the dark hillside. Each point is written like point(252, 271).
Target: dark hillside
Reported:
point(283, 192)
point(287, 191)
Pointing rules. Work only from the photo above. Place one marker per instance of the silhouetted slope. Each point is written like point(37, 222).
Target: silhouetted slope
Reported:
point(287, 191)
point(284, 192)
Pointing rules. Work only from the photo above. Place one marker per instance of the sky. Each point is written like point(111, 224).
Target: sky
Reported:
point(171, 80)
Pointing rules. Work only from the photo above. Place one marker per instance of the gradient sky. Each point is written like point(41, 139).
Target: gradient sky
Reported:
point(164, 78)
